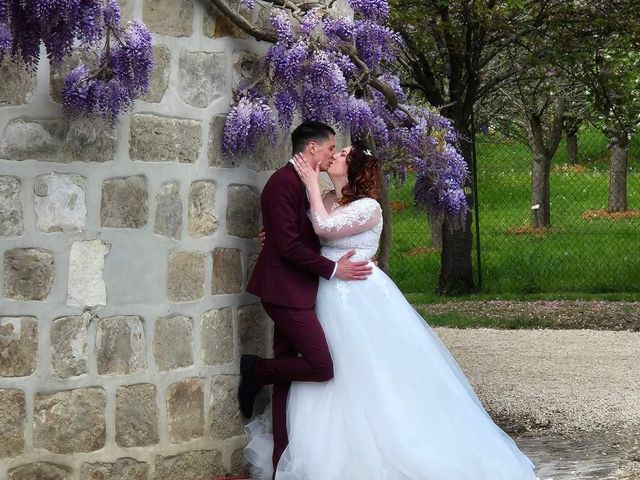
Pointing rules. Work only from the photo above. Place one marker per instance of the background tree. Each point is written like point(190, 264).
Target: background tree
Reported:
point(599, 43)
point(450, 61)
point(613, 79)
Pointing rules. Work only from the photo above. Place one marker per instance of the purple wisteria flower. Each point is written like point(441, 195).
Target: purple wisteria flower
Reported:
point(281, 23)
point(310, 73)
point(125, 64)
point(372, 9)
point(311, 20)
point(123, 74)
point(249, 120)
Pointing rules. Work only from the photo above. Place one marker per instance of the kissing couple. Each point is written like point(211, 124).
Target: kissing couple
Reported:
point(363, 389)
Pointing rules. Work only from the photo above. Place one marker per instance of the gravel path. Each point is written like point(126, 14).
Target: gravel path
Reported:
point(558, 384)
point(560, 381)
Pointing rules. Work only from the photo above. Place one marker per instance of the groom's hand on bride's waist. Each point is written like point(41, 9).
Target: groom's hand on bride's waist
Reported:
point(348, 270)
point(262, 236)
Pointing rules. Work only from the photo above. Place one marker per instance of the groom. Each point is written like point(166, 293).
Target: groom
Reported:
point(286, 279)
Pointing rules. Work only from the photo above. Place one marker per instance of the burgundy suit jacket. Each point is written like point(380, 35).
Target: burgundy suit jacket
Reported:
point(290, 264)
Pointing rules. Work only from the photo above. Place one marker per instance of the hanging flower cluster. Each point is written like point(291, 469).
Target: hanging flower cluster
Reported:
point(124, 69)
point(320, 68)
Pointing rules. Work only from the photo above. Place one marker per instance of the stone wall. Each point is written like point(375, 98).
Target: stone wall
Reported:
point(124, 253)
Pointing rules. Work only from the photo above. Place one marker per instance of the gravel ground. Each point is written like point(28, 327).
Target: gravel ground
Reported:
point(581, 384)
point(560, 381)
point(599, 315)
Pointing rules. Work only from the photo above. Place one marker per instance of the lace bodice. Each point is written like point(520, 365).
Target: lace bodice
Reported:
point(355, 226)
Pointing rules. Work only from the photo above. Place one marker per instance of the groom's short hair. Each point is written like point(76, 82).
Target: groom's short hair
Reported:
point(310, 131)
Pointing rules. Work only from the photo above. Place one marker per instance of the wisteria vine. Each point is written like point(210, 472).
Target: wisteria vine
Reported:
point(337, 70)
point(125, 61)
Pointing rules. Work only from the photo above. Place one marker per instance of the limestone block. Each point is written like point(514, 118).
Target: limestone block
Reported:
point(169, 17)
point(69, 340)
point(252, 330)
point(214, 149)
point(217, 336)
point(243, 211)
point(160, 75)
point(60, 202)
point(120, 345)
point(185, 276)
point(169, 211)
point(164, 139)
point(86, 285)
point(271, 156)
point(122, 469)
point(70, 421)
point(17, 83)
point(216, 25)
point(185, 410)
point(125, 202)
point(126, 9)
point(192, 465)
point(136, 415)
point(18, 346)
point(39, 471)
point(239, 465)
point(227, 271)
point(12, 418)
point(58, 140)
point(251, 264)
point(28, 273)
point(246, 67)
point(224, 417)
point(173, 342)
point(11, 220)
point(202, 77)
point(202, 202)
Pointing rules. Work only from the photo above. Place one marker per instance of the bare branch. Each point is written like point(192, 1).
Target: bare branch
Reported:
point(242, 23)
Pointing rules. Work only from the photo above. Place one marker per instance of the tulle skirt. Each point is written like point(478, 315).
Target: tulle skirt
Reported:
point(398, 407)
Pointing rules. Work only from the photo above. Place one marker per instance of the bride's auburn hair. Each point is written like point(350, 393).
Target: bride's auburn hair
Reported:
point(364, 173)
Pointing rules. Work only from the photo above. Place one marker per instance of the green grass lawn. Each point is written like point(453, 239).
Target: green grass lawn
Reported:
point(576, 255)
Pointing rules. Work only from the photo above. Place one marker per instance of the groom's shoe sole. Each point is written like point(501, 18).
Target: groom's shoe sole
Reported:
point(249, 388)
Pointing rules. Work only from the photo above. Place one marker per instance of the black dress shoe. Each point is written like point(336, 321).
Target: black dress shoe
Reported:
point(248, 384)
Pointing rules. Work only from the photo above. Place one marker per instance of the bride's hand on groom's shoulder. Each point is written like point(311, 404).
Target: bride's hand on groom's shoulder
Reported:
point(348, 270)
point(262, 236)
point(308, 175)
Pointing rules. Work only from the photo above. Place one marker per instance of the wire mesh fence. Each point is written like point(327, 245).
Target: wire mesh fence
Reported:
point(584, 249)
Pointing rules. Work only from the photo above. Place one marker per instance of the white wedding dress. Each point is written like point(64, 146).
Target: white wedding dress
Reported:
point(398, 407)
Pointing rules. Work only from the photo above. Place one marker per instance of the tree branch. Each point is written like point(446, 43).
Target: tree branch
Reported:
point(242, 23)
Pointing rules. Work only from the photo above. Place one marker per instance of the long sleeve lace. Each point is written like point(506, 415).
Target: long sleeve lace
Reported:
point(355, 217)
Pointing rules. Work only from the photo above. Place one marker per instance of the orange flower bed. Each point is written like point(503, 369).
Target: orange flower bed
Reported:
point(397, 206)
point(527, 230)
point(604, 214)
point(422, 251)
point(568, 168)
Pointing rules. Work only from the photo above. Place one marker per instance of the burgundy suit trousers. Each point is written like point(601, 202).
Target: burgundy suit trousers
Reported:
point(296, 331)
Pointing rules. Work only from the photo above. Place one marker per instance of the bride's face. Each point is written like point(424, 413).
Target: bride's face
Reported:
point(339, 167)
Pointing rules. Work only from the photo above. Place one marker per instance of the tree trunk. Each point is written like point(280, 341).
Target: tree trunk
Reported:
point(386, 237)
point(540, 195)
point(572, 147)
point(435, 225)
point(456, 271)
point(618, 175)
point(543, 151)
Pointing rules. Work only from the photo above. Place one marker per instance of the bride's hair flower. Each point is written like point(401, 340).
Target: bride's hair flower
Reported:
point(368, 152)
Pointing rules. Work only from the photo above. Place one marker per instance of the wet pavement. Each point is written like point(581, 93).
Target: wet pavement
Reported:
point(560, 458)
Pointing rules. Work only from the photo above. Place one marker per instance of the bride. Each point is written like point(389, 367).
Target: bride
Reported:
point(398, 407)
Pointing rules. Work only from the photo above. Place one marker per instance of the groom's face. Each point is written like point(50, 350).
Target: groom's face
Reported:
point(322, 153)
